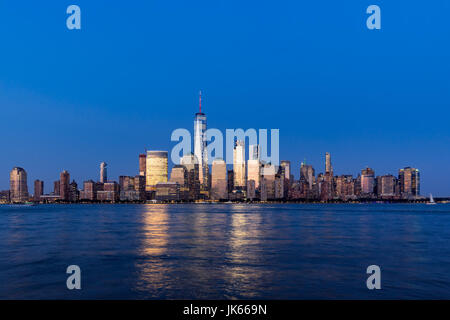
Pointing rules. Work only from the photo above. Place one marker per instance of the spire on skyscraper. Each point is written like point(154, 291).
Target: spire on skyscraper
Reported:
point(200, 101)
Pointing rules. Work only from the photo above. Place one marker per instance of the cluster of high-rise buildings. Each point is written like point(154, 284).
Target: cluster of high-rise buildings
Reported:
point(193, 179)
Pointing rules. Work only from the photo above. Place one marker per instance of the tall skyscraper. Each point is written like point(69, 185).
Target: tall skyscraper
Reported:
point(18, 186)
point(219, 180)
point(74, 193)
point(409, 182)
point(142, 164)
point(64, 189)
point(103, 172)
point(328, 166)
point(254, 166)
point(268, 173)
point(56, 187)
point(254, 152)
point(156, 169)
point(38, 190)
point(367, 181)
point(239, 164)
point(200, 145)
point(307, 174)
point(190, 163)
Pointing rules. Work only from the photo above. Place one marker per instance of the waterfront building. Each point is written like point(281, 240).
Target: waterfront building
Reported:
point(139, 187)
point(103, 172)
point(156, 169)
point(285, 167)
point(307, 177)
point(179, 174)
point(239, 165)
point(74, 193)
point(230, 181)
point(132, 188)
point(167, 191)
point(254, 171)
point(190, 163)
point(251, 190)
point(57, 188)
point(49, 198)
point(142, 164)
point(409, 182)
point(357, 185)
point(386, 186)
point(38, 190)
point(268, 172)
point(4, 196)
point(367, 182)
point(280, 191)
point(109, 193)
point(219, 180)
point(18, 185)
point(200, 150)
point(64, 190)
point(89, 191)
point(345, 188)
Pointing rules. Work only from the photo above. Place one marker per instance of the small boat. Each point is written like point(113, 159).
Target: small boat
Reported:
point(431, 200)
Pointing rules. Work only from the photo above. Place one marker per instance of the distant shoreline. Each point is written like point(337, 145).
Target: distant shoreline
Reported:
point(446, 201)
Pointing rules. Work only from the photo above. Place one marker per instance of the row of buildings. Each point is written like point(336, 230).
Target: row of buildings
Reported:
point(251, 180)
point(193, 179)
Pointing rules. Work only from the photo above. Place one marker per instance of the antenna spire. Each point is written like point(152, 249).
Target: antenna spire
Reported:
point(200, 101)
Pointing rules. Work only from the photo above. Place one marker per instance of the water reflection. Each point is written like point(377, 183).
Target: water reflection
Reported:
point(245, 269)
point(152, 269)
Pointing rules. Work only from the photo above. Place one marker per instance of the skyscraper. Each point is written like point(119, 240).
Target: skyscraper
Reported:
point(307, 174)
point(190, 163)
point(409, 182)
point(219, 180)
point(239, 164)
point(38, 190)
point(268, 173)
point(179, 175)
point(156, 169)
point(328, 166)
point(18, 185)
point(254, 165)
point(200, 151)
point(386, 186)
point(285, 167)
point(367, 181)
point(64, 189)
point(254, 152)
point(56, 187)
point(142, 164)
point(103, 172)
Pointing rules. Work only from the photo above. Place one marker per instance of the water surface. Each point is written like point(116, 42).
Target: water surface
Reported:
point(225, 251)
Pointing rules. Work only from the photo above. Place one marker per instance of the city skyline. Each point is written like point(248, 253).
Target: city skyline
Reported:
point(251, 178)
point(243, 167)
point(370, 98)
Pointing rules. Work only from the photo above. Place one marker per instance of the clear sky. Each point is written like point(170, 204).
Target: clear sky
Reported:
point(131, 75)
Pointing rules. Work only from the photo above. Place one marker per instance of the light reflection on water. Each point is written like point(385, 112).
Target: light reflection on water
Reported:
point(224, 251)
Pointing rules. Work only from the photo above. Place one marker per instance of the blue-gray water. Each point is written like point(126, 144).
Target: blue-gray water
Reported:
point(225, 251)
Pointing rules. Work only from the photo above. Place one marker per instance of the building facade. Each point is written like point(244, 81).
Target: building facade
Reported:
point(219, 180)
point(18, 185)
point(239, 164)
point(156, 169)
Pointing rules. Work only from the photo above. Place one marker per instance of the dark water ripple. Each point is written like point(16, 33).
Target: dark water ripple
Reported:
point(225, 251)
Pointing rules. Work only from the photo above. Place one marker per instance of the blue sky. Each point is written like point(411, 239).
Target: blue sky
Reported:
point(131, 75)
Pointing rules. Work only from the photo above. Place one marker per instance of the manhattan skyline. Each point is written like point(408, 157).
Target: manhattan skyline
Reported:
point(72, 100)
